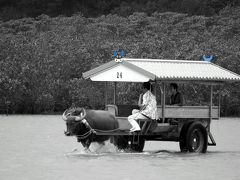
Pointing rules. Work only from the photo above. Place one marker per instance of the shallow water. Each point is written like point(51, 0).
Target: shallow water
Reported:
point(34, 147)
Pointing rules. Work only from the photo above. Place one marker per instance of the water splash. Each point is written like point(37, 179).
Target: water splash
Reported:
point(107, 147)
point(95, 149)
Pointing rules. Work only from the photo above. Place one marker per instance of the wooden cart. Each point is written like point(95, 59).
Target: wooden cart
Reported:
point(188, 125)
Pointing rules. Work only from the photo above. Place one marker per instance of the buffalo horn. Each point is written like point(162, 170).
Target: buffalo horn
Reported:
point(81, 116)
point(64, 116)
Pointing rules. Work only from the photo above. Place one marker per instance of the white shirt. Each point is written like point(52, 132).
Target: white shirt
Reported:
point(149, 100)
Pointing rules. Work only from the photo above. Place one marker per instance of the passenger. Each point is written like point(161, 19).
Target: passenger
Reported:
point(176, 97)
point(148, 107)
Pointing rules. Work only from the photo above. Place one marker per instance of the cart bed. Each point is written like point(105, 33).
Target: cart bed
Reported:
point(124, 128)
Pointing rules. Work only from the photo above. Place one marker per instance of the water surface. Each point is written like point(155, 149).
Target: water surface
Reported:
point(33, 147)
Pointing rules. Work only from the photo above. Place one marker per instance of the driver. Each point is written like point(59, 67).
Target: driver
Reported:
point(148, 107)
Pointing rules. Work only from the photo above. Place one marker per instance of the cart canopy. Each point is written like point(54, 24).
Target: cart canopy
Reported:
point(142, 70)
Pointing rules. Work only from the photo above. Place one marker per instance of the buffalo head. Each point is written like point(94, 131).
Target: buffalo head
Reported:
point(74, 119)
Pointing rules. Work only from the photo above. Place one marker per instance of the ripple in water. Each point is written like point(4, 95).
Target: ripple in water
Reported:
point(108, 149)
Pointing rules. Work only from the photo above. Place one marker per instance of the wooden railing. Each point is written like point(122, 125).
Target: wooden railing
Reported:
point(189, 112)
point(170, 111)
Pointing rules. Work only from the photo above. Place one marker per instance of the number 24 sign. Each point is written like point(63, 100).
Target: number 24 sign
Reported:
point(119, 75)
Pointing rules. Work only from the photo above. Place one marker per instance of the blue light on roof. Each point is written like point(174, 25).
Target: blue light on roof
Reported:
point(115, 53)
point(207, 58)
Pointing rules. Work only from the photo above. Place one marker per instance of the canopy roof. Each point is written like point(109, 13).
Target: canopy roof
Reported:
point(142, 70)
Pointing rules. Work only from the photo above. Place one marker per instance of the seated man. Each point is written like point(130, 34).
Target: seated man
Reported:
point(148, 107)
point(176, 97)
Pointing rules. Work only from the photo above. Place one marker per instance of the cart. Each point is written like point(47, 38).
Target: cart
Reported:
point(188, 125)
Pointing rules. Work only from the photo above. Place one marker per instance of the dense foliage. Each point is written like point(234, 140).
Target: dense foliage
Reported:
point(42, 59)
point(15, 9)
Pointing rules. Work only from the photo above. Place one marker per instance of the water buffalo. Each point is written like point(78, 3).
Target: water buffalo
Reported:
point(84, 122)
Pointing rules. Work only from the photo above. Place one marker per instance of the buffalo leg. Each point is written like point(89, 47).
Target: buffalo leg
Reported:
point(86, 142)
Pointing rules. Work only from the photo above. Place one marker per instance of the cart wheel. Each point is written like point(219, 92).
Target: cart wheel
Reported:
point(196, 139)
point(121, 142)
point(137, 147)
point(126, 143)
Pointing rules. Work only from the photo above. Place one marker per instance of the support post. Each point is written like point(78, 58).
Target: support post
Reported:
point(210, 107)
point(163, 101)
point(114, 93)
point(155, 88)
point(106, 93)
point(219, 104)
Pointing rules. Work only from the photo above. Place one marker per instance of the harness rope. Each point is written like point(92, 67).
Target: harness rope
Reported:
point(84, 136)
point(92, 130)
